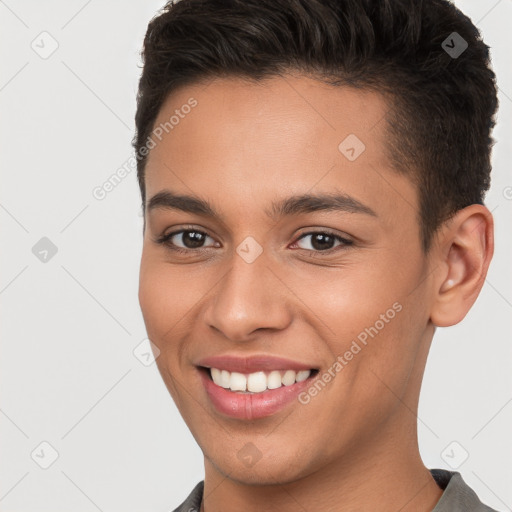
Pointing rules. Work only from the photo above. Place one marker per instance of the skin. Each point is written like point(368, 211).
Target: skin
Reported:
point(354, 445)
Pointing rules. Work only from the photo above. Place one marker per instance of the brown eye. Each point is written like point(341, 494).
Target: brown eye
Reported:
point(322, 241)
point(191, 239)
point(185, 239)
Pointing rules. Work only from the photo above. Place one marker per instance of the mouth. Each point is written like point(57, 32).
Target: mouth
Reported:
point(256, 382)
point(255, 395)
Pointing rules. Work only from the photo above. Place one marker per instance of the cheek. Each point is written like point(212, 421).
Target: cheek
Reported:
point(165, 297)
point(348, 299)
point(365, 313)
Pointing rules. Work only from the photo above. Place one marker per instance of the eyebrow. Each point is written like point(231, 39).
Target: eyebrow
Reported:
point(294, 205)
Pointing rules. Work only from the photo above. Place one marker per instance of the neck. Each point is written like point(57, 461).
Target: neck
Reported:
point(386, 478)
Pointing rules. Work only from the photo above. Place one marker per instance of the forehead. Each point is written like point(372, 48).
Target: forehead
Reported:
point(286, 134)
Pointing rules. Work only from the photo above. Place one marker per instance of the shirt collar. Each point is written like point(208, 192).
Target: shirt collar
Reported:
point(457, 495)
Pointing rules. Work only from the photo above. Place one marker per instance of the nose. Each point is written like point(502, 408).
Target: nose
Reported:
point(248, 298)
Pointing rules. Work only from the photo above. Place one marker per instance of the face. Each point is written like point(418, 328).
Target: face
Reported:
point(297, 248)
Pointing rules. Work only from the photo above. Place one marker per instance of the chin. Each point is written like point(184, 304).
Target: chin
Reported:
point(267, 470)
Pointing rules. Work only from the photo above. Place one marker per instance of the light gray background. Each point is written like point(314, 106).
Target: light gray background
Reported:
point(69, 326)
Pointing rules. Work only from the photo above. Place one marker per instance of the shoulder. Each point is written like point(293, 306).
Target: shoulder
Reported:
point(193, 501)
point(457, 495)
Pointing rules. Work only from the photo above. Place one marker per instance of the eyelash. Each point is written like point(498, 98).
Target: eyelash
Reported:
point(165, 240)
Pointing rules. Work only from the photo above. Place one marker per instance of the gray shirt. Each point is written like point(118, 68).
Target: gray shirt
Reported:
point(457, 495)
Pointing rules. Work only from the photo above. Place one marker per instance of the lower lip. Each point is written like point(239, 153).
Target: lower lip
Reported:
point(251, 406)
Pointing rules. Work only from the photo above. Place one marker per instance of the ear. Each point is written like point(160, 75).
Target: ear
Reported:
point(464, 249)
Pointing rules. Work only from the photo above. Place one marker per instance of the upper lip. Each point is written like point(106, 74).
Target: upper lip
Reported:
point(254, 363)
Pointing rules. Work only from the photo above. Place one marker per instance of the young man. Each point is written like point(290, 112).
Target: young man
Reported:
point(312, 176)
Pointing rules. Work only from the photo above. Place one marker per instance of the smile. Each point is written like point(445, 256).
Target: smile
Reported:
point(257, 382)
point(249, 387)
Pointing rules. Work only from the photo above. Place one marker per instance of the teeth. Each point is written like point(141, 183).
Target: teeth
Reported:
point(215, 373)
point(288, 378)
point(224, 379)
point(274, 380)
point(302, 375)
point(237, 382)
point(257, 382)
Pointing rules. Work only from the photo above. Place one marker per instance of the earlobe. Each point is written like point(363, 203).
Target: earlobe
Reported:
point(466, 247)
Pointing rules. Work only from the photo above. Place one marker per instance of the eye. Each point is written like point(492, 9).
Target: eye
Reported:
point(323, 241)
point(187, 241)
point(184, 240)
